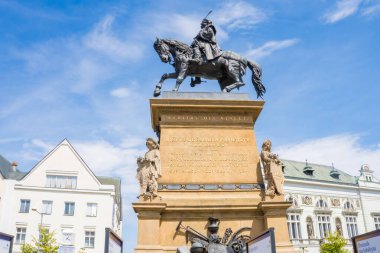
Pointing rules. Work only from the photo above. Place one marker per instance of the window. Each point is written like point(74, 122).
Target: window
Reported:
point(322, 203)
point(89, 239)
point(368, 178)
point(352, 226)
point(67, 182)
point(324, 225)
point(294, 226)
point(92, 209)
point(24, 206)
point(348, 205)
point(377, 221)
point(47, 206)
point(20, 235)
point(69, 208)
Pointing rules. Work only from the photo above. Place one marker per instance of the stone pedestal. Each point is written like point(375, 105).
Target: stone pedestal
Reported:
point(210, 167)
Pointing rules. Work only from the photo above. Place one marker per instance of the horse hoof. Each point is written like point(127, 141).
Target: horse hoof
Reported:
point(175, 90)
point(225, 90)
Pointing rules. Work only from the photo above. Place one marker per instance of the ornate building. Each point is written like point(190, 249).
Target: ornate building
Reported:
point(325, 200)
point(62, 195)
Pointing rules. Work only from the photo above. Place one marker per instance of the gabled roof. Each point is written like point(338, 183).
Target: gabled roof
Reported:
point(321, 173)
point(7, 171)
point(65, 142)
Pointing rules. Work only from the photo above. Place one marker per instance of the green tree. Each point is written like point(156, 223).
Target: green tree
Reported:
point(47, 243)
point(334, 244)
point(28, 248)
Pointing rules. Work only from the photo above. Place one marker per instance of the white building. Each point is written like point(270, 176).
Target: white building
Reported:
point(326, 200)
point(75, 204)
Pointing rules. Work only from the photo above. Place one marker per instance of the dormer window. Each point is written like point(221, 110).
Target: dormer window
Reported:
point(334, 173)
point(65, 182)
point(308, 170)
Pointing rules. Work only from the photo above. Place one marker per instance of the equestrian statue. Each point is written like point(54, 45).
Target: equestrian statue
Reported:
point(204, 59)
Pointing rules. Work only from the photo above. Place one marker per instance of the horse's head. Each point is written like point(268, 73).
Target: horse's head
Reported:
point(162, 50)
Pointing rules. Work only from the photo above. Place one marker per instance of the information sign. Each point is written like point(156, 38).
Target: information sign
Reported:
point(6, 243)
point(367, 243)
point(113, 243)
point(264, 243)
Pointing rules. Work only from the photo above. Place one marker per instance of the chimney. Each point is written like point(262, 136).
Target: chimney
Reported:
point(14, 166)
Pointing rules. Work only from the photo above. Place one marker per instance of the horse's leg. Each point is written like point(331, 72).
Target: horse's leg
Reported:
point(181, 75)
point(233, 71)
point(157, 90)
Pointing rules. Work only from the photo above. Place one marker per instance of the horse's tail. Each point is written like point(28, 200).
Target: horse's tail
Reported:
point(256, 78)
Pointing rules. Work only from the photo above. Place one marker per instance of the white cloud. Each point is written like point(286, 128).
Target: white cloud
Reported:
point(175, 26)
point(372, 10)
point(238, 15)
point(269, 47)
point(343, 150)
point(342, 10)
point(103, 40)
point(121, 92)
point(230, 16)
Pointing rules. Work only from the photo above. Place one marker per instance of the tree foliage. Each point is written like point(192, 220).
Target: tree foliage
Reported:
point(48, 244)
point(334, 244)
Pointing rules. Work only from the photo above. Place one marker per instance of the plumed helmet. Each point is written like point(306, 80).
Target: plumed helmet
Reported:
point(206, 21)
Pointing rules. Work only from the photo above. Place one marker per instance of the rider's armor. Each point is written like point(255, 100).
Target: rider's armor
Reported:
point(205, 43)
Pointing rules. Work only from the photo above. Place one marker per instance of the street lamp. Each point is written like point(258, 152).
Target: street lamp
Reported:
point(39, 230)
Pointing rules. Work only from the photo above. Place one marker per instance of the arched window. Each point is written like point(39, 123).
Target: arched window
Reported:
point(293, 200)
point(321, 203)
point(348, 205)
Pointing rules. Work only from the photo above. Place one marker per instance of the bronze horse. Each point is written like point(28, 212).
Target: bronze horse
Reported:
point(228, 69)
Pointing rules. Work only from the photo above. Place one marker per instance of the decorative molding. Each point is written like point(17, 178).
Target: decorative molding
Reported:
point(322, 210)
point(61, 172)
point(293, 209)
point(350, 212)
point(209, 187)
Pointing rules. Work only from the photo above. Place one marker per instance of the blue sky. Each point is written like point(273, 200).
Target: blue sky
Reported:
point(85, 70)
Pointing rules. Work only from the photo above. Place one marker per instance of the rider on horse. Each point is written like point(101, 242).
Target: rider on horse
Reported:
point(205, 45)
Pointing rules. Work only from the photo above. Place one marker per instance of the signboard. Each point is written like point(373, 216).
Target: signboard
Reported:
point(367, 243)
point(113, 243)
point(6, 243)
point(264, 243)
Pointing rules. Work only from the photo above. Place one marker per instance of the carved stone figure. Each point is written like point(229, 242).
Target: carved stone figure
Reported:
point(338, 224)
point(306, 200)
point(309, 226)
point(235, 243)
point(205, 59)
point(272, 170)
point(149, 170)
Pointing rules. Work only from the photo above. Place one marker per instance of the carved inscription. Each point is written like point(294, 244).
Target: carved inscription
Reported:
point(185, 116)
point(208, 155)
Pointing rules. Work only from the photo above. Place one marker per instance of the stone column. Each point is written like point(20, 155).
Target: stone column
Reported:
point(275, 217)
point(149, 215)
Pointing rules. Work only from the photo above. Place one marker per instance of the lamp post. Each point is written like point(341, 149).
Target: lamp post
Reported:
point(39, 230)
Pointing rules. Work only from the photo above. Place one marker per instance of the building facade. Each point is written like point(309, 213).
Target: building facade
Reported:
point(65, 196)
point(327, 200)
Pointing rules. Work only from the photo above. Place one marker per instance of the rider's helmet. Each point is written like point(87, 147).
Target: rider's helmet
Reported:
point(205, 22)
